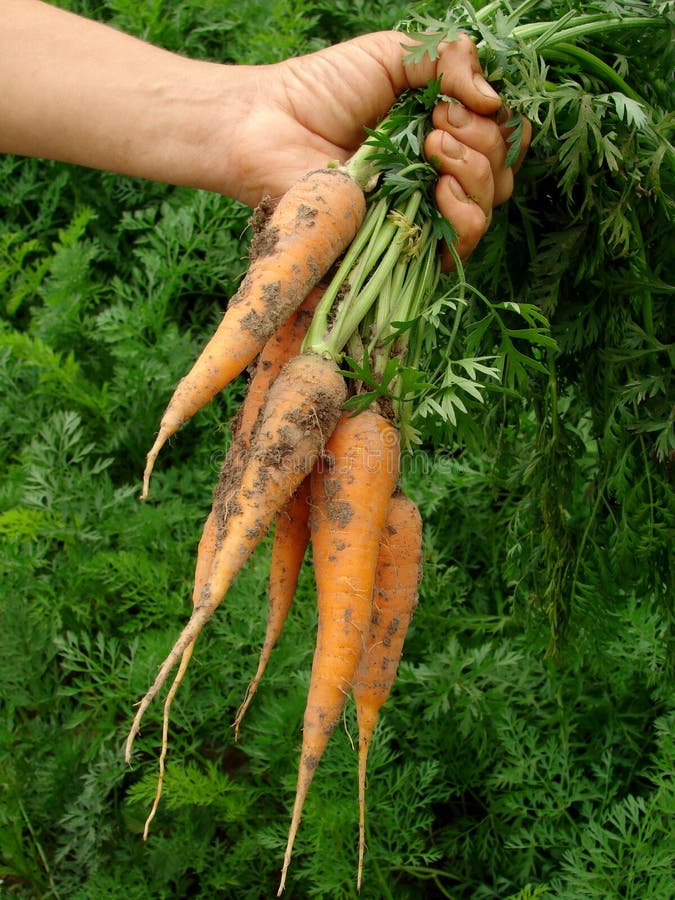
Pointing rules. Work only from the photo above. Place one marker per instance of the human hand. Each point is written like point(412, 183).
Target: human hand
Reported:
point(245, 131)
point(311, 109)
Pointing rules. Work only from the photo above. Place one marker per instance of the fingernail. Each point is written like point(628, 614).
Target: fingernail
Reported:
point(458, 115)
point(451, 147)
point(483, 87)
point(456, 189)
point(502, 115)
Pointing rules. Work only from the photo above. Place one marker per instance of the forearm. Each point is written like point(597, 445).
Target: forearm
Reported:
point(80, 92)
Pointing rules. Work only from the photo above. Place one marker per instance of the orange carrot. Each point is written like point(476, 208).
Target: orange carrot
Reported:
point(291, 533)
point(284, 344)
point(313, 223)
point(397, 580)
point(350, 496)
point(205, 554)
point(302, 409)
point(291, 537)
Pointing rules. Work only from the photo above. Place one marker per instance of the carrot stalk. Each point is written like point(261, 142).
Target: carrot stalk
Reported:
point(350, 495)
point(312, 225)
point(302, 409)
point(291, 537)
point(397, 580)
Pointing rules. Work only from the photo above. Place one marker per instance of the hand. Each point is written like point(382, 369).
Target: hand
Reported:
point(470, 151)
point(311, 109)
point(245, 131)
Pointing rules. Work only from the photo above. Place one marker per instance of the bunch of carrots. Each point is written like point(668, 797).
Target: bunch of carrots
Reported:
point(334, 312)
point(313, 453)
point(319, 472)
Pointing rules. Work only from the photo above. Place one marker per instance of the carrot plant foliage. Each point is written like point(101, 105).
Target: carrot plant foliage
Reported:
point(527, 750)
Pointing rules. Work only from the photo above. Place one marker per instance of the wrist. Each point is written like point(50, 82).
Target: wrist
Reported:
point(217, 102)
point(196, 122)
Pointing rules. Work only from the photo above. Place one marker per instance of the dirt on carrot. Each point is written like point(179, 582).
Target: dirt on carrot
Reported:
point(397, 578)
point(310, 227)
point(265, 236)
point(350, 496)
point(302, 410)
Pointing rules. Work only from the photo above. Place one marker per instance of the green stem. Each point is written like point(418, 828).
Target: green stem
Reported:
point(372, 224)
point(553, 30)
point(421, 291)
point(393, 287)
point(564, 52)
point(408, 289)
point(418, 288)
point(531, 31)
point(590, 24)
point(647, 299)
point(553, 388)
point(382, 881)
point(461, 304)
point(362, 168)
point(352, 308)
point(582, 543)
point(519, 11)
point(405, 305)
point(484, 12)
point(413, 343)
point(408, 345)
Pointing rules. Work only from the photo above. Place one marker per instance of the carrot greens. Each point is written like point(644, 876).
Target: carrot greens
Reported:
point(590, 124)
point(533, 391)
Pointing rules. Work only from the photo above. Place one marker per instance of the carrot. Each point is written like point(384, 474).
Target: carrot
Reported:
point(205, 554)
point(397, 580)
point(350, 496)
point(291, 534)
point(313, 223)
point(291, 537)
point(283, 345)
point(302, 409)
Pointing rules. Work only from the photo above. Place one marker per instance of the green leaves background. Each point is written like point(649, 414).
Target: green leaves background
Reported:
point(528, 748)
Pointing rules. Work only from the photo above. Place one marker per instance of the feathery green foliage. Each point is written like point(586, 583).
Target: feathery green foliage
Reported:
point(498, 770)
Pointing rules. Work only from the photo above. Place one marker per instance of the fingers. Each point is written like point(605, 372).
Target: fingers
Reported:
point(466, 216)
point(478, 110)
point(462, 77)
point(457, 66)
point(469, 167)
point(470, 152)
point(480, 136)
point(469, 142)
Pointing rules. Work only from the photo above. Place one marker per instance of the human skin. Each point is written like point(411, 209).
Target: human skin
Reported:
point(81, 92)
